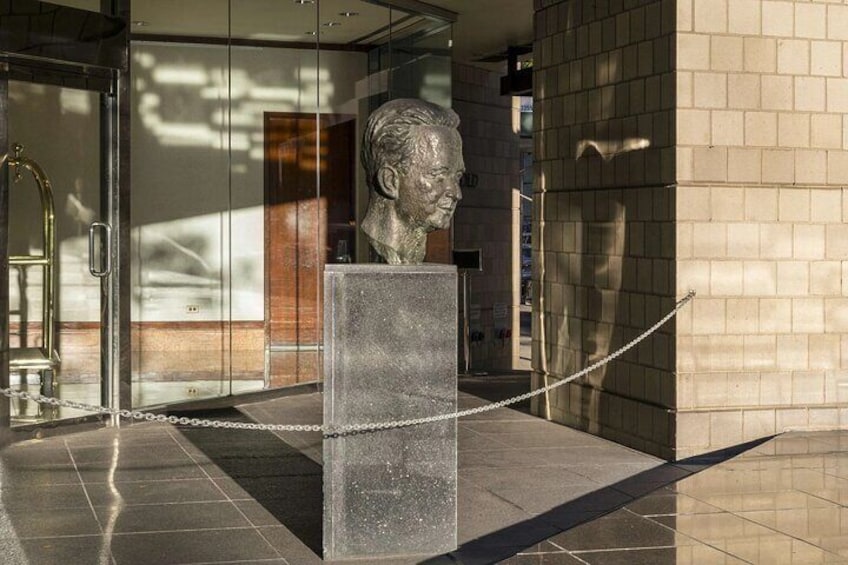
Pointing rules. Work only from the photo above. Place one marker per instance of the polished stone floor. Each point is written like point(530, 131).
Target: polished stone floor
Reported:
point(530, 492)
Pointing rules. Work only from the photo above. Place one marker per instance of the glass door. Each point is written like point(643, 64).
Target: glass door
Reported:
point(60, 325)
point(59, 243)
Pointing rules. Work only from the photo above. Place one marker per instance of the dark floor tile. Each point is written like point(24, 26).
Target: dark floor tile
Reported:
point(80, 549)
point(43, 497)
point(565, 517)
point(12, 549)
point(129, 434)
point(27, 478)
point(745, 538)
point(298, 490)
point(169, 451)
point(480, 555)
point(601, 455)
point(147, 470)
point(619, 530)
point(156, 492)
point(35, 455)
point(666, 503)
point(532, 489)
point(267, 467)
point(170, 517)
point(544, 547)
point(207, 546)
point(29, 523)
point(258, 515)
point(559, 558)
point(612, 473)
point(482, 513)
point(698, 554)
point(469, 440)
point(290, 546)
point(503, 457)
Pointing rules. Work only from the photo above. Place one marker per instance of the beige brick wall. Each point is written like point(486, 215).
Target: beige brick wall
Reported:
point(487, 217)
point(720, 128)
point(762, 160)
point(604, 233)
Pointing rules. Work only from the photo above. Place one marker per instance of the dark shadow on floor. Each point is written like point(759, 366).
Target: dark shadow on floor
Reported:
point(285, 482)
point(509, 541)
point(501, 386)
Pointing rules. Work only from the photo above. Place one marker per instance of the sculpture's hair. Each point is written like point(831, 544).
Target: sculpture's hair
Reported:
point(389, 132)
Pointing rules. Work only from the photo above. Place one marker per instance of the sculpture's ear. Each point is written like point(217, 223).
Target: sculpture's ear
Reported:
point(387, 182)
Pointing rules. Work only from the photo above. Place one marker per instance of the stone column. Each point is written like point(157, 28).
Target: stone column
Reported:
point(722, 157)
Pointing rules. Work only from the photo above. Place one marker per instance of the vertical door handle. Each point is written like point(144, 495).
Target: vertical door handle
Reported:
point(93, 268)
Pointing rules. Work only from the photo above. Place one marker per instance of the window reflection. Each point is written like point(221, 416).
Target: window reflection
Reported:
point(209, 222)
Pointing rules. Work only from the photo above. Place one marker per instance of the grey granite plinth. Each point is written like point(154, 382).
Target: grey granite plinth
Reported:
point(389, 353)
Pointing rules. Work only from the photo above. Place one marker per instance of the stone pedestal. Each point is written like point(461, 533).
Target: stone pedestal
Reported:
point(390, 353)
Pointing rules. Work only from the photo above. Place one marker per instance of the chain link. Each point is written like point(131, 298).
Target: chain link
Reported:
point(331, 431)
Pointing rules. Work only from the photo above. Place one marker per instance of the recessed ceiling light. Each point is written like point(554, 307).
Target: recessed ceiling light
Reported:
point(301, 2)
point(311, 33)
point(331, 24)
point(348, 14)
point(140, 23)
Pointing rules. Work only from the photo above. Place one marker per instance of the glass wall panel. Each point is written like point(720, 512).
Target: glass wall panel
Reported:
point(246, 179)
point(277, 92)
point(181, 209)
point(59, 130)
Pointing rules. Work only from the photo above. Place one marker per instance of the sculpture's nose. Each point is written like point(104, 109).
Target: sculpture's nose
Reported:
point(456, 191)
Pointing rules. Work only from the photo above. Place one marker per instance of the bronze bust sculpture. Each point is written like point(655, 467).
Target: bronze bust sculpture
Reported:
point(412, 154)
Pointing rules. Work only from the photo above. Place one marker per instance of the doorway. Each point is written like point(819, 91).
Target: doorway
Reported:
point(309, 221)
point(59, 189)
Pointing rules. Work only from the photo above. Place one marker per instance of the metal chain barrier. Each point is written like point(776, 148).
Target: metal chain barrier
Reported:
point(330, 431)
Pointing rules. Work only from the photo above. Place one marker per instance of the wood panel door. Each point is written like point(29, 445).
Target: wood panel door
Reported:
point(309, 221)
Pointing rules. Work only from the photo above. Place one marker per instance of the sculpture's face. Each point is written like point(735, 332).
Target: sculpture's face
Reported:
point(429, 190)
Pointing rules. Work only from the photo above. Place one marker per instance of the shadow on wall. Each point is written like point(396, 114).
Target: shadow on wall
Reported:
point(605, 239)
point(579, 320)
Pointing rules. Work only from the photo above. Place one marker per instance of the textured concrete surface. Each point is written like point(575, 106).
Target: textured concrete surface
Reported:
point(390, 354)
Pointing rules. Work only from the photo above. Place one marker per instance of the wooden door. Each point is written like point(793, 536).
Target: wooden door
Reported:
point(306, 218)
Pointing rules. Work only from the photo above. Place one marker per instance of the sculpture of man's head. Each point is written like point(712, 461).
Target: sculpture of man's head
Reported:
point(412, 154)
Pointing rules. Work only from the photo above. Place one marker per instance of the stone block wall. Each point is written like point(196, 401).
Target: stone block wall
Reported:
point(721, 128)
point(488, 216)
point(604, 101)
point(762, 161)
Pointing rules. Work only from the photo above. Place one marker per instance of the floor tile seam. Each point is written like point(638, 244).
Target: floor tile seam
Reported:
point(139, 481)
point(147, 504)
point(86, 493)
point(548, 463)
point(185, 531)
point(463, 473)
point(230, 500)
point(786, 533)
point(559, 549)
point(237, 562)
point(629, 548)
point(774, 531)
point(506, 445)
point(819, 497)
point(59, 537)
point(606, 484)
point(692, 538)
point(499, 497)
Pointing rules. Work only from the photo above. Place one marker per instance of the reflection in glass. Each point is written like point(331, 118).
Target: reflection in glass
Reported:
point(71, 162)
point(246, 127)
